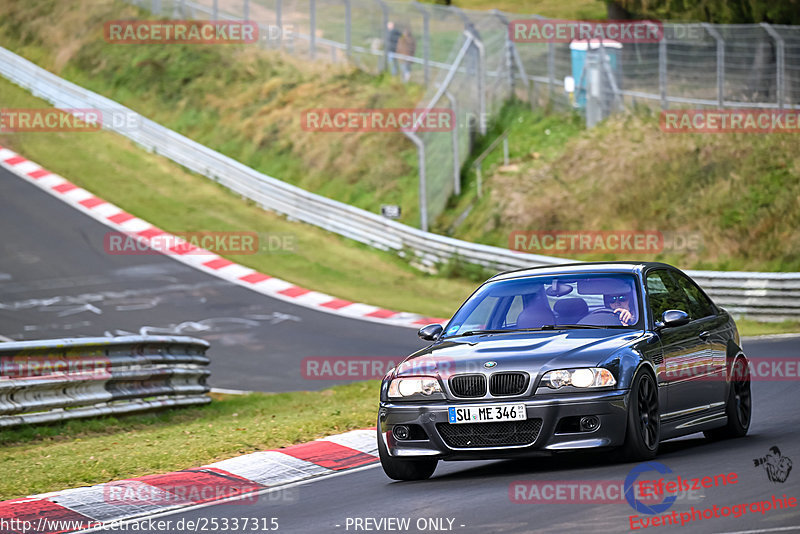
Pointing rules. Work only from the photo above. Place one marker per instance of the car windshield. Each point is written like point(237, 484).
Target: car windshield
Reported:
point(550, 302)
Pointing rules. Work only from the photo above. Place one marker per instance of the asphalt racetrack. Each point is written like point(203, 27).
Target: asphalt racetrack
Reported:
point(56, 281)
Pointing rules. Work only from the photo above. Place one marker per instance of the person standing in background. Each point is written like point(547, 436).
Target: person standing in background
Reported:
point(392, 40)
point(406, 46)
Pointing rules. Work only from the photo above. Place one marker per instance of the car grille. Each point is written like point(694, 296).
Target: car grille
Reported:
point(468, 385)
point(500, 434)
point(508, 383)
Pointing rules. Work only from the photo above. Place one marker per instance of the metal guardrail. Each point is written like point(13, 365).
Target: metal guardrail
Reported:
point(763, 295)
point(54, 380)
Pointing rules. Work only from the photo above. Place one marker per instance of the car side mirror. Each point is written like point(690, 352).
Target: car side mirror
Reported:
point(673, 318)
point(430, 332)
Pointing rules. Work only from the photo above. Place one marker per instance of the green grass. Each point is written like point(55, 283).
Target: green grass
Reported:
point(740, 193)
point(39, 459)
point(164, 194)
point(748, 327)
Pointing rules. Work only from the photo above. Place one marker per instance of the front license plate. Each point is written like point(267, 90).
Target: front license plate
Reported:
point(483, 413)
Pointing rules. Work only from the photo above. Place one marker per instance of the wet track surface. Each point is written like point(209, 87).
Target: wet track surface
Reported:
point(56, 281)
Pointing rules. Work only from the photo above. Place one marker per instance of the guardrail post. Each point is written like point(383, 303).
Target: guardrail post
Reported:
point(348, 30)
point(312, 28)
point(662, 71)
point(426, 40)
point(780, 55)
point(720, 63)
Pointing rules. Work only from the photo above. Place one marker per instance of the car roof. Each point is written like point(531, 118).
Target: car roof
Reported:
point(582, 267)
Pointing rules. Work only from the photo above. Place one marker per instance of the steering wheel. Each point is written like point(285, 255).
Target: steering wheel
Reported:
point(598, 313)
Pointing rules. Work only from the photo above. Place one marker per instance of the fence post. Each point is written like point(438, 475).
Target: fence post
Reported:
point(779, 62)
point(423, 187)
point(594, 106)
point(720, 63)
point(385, 11)
point(454, 135)
point(312, 28)
point(551, 70)
point(348, 33)
point(662, 71)
point(246, 10)
point(215, 10)
point(278, 20)
point(426, 39)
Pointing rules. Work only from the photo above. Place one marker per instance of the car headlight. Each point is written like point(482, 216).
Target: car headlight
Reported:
point(594, 377)
point(407, 387)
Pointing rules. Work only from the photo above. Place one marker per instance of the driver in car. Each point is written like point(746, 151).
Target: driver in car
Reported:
point(621, 305)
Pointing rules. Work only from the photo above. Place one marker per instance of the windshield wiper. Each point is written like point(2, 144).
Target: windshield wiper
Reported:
point(509, 330)
point(583, 326)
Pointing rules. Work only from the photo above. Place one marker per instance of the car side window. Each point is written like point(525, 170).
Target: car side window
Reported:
point(699, 305)
point(663, 294)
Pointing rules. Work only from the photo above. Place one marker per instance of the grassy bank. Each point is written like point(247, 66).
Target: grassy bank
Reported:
point(78, 453)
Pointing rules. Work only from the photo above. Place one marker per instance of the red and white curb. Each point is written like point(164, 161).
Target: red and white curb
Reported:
point(116, 218)
point(246, 477)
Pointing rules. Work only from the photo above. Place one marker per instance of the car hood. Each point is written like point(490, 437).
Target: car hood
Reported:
point(532, 352)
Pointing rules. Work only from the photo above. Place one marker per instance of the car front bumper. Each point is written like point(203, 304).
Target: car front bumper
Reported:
point(610, 407)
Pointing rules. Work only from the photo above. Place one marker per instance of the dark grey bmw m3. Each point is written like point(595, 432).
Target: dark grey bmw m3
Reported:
point(618, 355)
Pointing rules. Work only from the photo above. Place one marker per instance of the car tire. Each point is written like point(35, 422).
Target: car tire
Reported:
point(404, 469)
point(644, 427)
point(739, 406)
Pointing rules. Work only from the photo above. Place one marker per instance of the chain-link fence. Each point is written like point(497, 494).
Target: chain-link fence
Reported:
point(471, 65)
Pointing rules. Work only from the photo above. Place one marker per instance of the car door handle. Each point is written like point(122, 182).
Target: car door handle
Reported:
point(704, 335)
